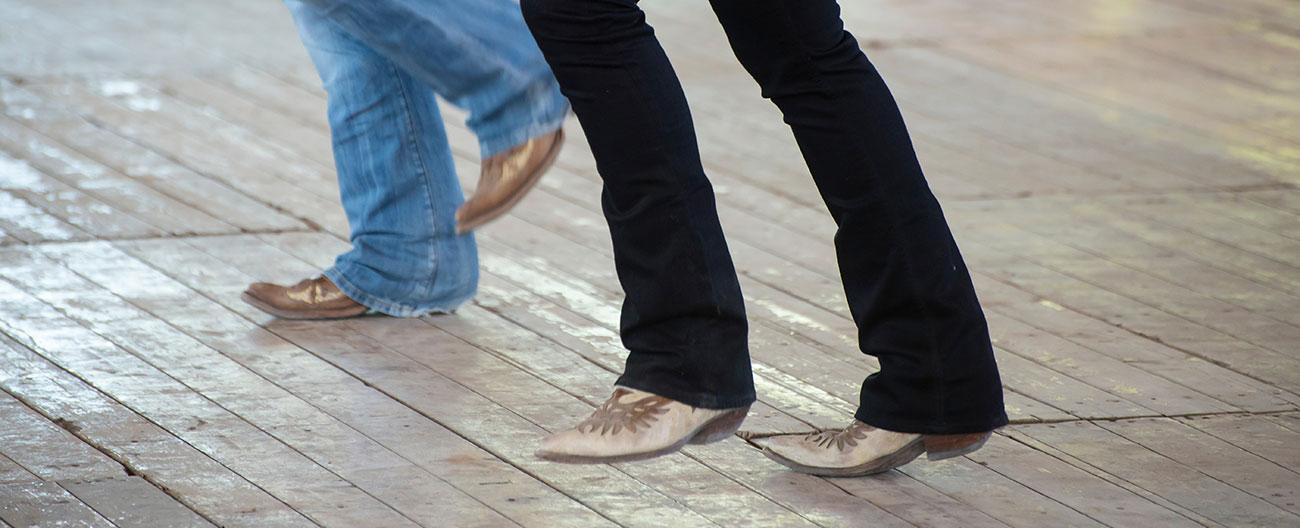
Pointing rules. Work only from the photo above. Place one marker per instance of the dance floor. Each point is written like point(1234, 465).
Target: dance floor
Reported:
point(1122, 175)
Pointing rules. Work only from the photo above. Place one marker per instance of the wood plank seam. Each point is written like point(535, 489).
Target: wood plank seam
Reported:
point(215, 403)
point(127, 467)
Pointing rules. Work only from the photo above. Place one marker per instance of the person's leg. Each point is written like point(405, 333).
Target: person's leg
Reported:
point(396, 178)
point(683, 318)
point(907, 286)
point(478, 55)
point(687, 377)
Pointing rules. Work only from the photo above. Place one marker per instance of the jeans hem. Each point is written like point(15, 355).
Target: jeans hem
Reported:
point(549, 120)
point(702, 400)
point(902, 425)
point(386, 306)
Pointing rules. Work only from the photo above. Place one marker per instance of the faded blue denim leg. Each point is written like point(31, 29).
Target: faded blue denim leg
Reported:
point(477, 55)
point(396, 172)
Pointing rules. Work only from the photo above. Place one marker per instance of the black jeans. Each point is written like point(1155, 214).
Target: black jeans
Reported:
point(684, 318)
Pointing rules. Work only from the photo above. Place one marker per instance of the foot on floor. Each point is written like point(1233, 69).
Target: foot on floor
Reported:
point(861, 449)
point(637, 425)
point(315, 298)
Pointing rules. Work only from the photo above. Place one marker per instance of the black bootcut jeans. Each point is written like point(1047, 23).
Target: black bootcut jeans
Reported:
point(684, 318)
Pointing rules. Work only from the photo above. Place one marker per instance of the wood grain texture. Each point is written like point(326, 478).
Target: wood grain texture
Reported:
point(1121, 176)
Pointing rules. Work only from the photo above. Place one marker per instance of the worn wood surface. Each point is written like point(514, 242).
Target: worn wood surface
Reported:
point(1122, 176)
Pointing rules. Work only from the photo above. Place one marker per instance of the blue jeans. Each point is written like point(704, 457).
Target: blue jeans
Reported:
point(384, 63)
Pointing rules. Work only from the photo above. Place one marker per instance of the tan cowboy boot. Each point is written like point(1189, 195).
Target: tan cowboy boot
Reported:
point(316, 298)
point(505, 179)
point(636, 425)
point(861, 449)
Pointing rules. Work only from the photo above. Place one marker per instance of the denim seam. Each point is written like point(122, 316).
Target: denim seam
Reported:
point(422, 169)
point(818, 77)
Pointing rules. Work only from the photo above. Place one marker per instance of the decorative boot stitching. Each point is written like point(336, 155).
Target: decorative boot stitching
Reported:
point(843, 439)
point(614, 416)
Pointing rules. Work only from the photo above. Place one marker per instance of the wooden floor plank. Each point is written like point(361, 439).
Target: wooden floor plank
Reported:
point(1216, 254)
point(10, 471)
point(70, 205)
point(1162, 476)
point(126, 196)
point(228, 105)
point(1275, 220)
point(141, 445)
point(1262, 436)
point(311, 177)
point(1015, 434)
point(22, 221)
point(120, 154)
point(1214, 457)
point(1153, 148)
point(131, 501)
point(1230, 231)
point(1103, 239)
point(316, 203)
point(1149, 355)
point(299, 423)
point(1097, 499)
point(996, 495)
point(45, 449)
point(272, 93)
point(1118, 67)
point(1289, 420)
point(1149, 321)
point(1098, 253)
point(313, 490)
point(39, 504)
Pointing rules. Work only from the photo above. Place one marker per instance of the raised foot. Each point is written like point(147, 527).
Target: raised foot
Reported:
point(505, 179)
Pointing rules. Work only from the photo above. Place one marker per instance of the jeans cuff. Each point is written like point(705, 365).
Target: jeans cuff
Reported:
point(387, 306)
point(937, 426)
point(694, 399)
point(546, 120)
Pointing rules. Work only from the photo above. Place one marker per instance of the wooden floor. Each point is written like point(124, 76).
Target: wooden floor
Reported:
point(1123, 177)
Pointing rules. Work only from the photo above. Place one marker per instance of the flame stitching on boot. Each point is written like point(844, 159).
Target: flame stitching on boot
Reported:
point(613, 417)
point(843, 439)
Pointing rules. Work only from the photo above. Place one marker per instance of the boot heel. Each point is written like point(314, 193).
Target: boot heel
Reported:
point(939, 447)
point(721, 428)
